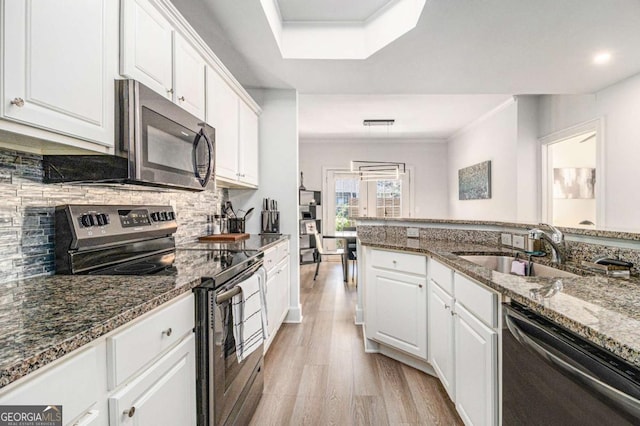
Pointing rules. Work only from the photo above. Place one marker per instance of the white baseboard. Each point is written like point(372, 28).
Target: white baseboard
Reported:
point(294, 315)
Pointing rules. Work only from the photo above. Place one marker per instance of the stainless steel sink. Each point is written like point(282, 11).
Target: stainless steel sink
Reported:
point(503, 264)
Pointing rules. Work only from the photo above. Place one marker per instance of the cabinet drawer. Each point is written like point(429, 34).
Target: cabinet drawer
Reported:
point(481, 302)
point(283, 250)
point(442, 275)
point(72, 383)
point(131, 349)
point(401, 262)
point(274, 255)
point(270, 259)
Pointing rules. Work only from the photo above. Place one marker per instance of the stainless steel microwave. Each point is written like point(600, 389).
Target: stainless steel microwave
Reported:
point(157, 144)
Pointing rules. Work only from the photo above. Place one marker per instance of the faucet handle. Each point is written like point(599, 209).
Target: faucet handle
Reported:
point(557, 236)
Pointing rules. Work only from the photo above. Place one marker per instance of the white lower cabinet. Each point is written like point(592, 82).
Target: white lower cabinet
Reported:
point(440, 333)
point(277, 265)
point(396, 302)
point(164, 394)
point(142, 374)
point(75, 382)
point(463, 343)
point(476, 369)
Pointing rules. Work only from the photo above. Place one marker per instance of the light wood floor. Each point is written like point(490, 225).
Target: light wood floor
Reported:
point(317, 373)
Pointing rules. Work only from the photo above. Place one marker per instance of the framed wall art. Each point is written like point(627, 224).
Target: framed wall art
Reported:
point(474, 182)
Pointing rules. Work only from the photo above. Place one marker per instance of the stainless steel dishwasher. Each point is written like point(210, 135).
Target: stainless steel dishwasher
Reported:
point(551, 376)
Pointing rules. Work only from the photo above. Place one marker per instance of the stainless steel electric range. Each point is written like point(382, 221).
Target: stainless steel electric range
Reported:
point(139, 240)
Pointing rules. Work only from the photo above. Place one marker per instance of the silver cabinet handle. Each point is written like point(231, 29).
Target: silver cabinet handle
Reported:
point(19, 102)
point(170, 91)
point(453, 314)
point(181, 98)
point(394, 262)
point(419, 285)
point(447, 306)
point(130, 412)
point(168, 332)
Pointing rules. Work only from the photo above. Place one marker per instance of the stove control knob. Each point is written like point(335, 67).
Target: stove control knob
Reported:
point(85, 220)
point(172, 216)
point(105, 217)
point(100, 219)
point(92, 219)
point(164, 217)
point(155, 217)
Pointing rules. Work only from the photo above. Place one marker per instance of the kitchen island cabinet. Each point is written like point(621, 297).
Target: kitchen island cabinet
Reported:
point(396, 301)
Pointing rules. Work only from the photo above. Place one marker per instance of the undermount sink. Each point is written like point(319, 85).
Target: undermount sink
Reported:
point(503, 264)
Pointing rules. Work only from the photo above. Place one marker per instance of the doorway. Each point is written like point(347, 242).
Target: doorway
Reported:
point(347, 197)
point(572, 183)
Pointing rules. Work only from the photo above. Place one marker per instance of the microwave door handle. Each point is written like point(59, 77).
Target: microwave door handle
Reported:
point(203, 180)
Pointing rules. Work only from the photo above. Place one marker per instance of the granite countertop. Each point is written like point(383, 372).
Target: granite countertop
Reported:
point(254, 242)
point(601, 309)
point(44, 318)
point(600, 233)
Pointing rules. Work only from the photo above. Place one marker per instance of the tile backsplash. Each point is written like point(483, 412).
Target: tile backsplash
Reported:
point(27, 206)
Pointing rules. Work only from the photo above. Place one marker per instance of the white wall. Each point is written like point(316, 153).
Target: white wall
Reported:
point(528, 172)
point(278, 174)
point(620, 106)
point(428, 159)
point(492, 138)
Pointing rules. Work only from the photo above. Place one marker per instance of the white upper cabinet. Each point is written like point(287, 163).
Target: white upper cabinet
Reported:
point(222, 114)
point(189, 77)
point(159, 57)
point(59, 66)
point(236, 125)
point(146, 53)
point(248, 145)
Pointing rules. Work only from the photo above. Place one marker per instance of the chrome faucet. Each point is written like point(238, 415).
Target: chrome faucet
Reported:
point(556, 240)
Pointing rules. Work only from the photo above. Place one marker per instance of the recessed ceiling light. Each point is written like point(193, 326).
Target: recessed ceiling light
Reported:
point(602, 58)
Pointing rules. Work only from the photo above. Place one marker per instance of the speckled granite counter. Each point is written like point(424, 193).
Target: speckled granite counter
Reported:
point(599, 233)
point(603, 310)
point(44, 318)
point(254, 242)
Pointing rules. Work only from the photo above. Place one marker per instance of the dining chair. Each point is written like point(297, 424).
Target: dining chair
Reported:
point(321, 252)
point(352, 253)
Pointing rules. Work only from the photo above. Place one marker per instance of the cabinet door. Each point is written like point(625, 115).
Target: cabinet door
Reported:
point(277, 296)
point(248, 137)
point(475, 369)
point(164, 394)
point(397, 311)
point(222, 114)
point(189, 77)
point(440, 332)
point(283, 286)
point(272, 303)
point(146, 53)
point(59, 66)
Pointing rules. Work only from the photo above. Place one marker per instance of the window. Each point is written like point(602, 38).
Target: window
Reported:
point(347, 197)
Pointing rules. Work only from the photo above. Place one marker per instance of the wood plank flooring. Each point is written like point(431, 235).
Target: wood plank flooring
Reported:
point(317, 373)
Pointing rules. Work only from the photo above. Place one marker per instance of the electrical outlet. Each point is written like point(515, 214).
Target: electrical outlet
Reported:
point(519, 242)
point(413, 233)
point(505, 239)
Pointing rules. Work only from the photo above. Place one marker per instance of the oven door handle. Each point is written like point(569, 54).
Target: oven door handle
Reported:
point(223, 297)
point(621, 399)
